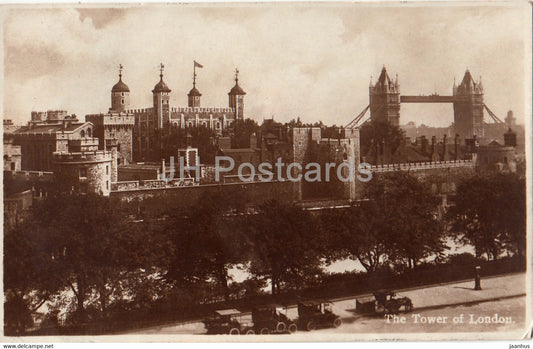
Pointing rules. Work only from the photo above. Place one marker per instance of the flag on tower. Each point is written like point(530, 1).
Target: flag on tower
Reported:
point(197, 65)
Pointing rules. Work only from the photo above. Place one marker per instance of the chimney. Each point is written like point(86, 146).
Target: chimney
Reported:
point(456, 146)
point(253, 141)
point(424, 144)
point(444, 148)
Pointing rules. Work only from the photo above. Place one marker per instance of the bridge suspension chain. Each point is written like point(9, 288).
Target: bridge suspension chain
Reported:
point(493, 116)
point(355, 122)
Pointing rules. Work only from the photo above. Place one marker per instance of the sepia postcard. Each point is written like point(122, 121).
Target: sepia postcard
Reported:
point(266, 172)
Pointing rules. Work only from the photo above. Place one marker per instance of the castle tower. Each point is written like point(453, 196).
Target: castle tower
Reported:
point(385, 99)
point(236, 98)
point(161, 94)
point(194, 95)
point(468, 108)
point(83, 168)
point(120, 94)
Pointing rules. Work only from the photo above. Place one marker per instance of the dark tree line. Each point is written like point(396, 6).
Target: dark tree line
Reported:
point(93, 257)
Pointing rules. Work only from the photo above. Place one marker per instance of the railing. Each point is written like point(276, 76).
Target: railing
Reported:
point(152, 184)
point(415, 166)
point(42, 175)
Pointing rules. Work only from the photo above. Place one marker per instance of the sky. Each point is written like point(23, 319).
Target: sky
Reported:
point(295, 60)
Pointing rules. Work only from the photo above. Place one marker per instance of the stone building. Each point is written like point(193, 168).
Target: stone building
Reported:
point(42, 137)
point(116, 126)
point(385, 99)
point(83, 168)
point(12, 152)
point(468, 107)
point(497, 157)
point(299, 145)
point(152, 123)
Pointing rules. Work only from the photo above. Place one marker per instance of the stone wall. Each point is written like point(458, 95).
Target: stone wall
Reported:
point(254, 193)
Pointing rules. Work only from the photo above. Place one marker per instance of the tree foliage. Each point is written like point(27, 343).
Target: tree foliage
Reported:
point(283, 239)
point(376, 134)
point(490, 214)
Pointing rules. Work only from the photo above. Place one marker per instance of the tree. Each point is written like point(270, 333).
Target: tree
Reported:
point(206, 242)
point(416, 229)
point(490, 214)
point(241, 131)
point(397, 222)
point(283, 240)
point(83, 243)
point(375, 135)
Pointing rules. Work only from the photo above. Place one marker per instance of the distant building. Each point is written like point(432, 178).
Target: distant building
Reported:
point(468, 107)
point(497, 157)
point(116, 126)
point(152, 123)
point(297, 145)
point(42, 137)
point(385, 99)
point(12, 152)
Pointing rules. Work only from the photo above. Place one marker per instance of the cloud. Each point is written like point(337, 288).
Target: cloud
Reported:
point(295, 59)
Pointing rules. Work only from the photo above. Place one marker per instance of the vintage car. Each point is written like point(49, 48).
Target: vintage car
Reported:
point(383, 302)
point(313, 314)
point(227, 321)
point(272, 319)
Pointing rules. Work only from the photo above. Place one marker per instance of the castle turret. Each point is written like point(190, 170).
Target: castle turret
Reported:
point(161, 94)
point(236, 98)
point(468, 108)
point(120, 94)
point(510, 120)
point(194, 95)
point(385, 99)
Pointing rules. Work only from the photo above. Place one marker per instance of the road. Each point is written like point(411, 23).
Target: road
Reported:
point(499, 306)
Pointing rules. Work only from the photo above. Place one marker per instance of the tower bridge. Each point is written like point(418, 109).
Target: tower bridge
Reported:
point(467, 99)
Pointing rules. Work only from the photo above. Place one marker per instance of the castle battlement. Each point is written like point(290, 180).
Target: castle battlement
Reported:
point(140, 111)
point(201, 110)
point(82, 157)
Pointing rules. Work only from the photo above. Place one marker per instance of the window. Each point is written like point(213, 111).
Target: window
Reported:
point(83, 172)
point(122, 100)
point(82, 134)
point(107, 170)
point(12, 166)
point(107, 185)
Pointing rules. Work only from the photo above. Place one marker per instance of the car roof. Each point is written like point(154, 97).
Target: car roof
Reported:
point(313, 303)
point(227, 312)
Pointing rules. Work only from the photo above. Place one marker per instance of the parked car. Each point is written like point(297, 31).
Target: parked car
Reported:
point(313, 314)
point(227, 321)
point(272, 319)
point(383, 302)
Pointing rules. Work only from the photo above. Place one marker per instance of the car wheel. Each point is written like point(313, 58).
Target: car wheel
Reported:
point(337, 322)
point(265, 330)
point(281, 327)
point(234, 331)
point(310, 326)
point(408, 307)
point(293, 328)
point(250, 331)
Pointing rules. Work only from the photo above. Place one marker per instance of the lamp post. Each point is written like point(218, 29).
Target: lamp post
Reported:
point(477, 279)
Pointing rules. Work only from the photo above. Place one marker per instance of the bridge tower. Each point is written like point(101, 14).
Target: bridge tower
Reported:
point(468, 107)
point(385, 99)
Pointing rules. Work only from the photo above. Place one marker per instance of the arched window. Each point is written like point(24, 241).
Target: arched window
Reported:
point(89, 132)
point(82, 133)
